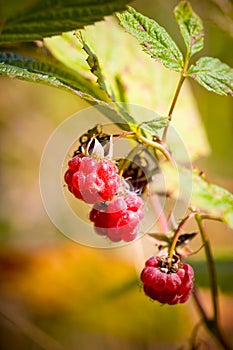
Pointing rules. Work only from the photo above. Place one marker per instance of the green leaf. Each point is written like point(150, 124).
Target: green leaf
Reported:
point(212, 199)
point(214, 75)
point(224, 268)
point(209, 198)
point(153, 38)
point(151, 127)
point(141, 78)
point(191, 27)
point(26, 68)
point(94, 65)
point(49, 17)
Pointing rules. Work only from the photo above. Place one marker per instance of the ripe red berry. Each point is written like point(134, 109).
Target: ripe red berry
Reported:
point(92, 180)
point(167, 283)
point(119, 218)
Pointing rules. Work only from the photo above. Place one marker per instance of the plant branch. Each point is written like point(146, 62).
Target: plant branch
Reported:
point(211, 323)
point(199, 304)
point(211, 265)
point(157, 146)
point(175, 98)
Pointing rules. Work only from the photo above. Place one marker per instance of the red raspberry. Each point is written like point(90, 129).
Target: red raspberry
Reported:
point(92, 180)
point(167, 284)
point(119, 218)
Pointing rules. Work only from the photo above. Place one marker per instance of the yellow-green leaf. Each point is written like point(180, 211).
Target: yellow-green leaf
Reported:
point(154, 39)
point(214, 75)
point(190, 26)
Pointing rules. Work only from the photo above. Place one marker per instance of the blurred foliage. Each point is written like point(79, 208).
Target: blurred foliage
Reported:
point(90, 298)
point(79, 289)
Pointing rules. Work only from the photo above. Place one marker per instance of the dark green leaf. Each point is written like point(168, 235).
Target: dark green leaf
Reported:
point(29, 69)
point(214, 75)
point(151, 127)
point(50, 17)
point(224, 268)
point(191, 27)
point(153, 38)
point(26, 68)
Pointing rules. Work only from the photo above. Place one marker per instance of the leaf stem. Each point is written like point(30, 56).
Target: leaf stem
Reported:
point(177, 92)
point(175, 98)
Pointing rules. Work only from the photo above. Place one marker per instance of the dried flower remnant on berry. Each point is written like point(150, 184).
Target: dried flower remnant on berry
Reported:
point(92, 178)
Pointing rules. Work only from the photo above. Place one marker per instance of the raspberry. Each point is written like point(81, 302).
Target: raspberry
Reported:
point(167, 284)
point(92, 180)
point(119, 218)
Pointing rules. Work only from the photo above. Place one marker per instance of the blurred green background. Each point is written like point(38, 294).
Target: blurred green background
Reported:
point(57, 294)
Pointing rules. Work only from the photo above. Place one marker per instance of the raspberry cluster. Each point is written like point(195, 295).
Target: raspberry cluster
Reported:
point(167, 283)
point(92, 180)
point(119, 218)
point(117, 211)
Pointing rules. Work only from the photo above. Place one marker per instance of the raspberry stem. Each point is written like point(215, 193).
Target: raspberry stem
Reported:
point(210, 262)
point(157, 146)
point(176, 235)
